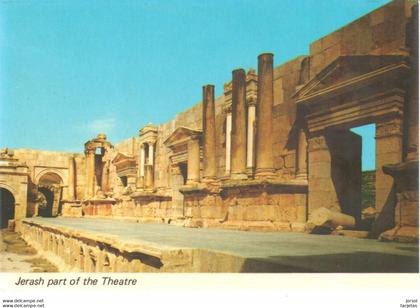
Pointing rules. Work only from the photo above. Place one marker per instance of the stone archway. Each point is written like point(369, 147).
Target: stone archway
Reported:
point(49, 187)
point(7, 207)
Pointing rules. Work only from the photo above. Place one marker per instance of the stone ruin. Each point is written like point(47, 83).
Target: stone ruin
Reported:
point(273, 153)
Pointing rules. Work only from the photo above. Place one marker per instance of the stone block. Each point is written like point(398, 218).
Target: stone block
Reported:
point(317, 60)
point(320, 169)
point(332, 53)
point(297, 227)
point(316, 47)
point(376, 17)
point(282, 226)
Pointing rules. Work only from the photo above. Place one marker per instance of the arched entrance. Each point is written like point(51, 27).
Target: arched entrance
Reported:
point(49, 187)
point(7, 207)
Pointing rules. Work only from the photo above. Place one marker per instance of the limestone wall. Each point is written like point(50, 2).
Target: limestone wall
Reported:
point(381, 32)
point(42, 162)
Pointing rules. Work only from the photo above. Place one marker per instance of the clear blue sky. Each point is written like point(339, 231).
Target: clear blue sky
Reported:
point(71, 69)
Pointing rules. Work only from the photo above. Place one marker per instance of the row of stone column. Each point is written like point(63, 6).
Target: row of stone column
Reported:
point(241, 155)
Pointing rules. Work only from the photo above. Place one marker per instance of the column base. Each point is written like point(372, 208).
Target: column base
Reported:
point(238, 176)
point(301, 176)
point(209, 179)
point(264, 173)
point(192, 182)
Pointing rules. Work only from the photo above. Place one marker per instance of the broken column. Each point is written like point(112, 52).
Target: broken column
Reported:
point(209, 133)
point(239, 133)
point(193, 154)
point(323, 217)
point(264, 147)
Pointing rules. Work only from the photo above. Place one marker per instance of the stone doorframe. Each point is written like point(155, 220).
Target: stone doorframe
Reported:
point(354, 91)
point(185, 144)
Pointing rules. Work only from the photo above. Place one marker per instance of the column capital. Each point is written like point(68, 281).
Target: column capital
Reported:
point(227, 108)
point(317, 143)
point(175, 169)
point(389, 128)
point(251, 100)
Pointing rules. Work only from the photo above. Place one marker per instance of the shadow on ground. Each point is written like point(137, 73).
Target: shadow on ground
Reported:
point(358, 262)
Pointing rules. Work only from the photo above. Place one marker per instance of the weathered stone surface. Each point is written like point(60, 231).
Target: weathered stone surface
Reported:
point(324, 217)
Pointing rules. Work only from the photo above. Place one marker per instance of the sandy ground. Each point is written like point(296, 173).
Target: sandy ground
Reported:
point(17, 256)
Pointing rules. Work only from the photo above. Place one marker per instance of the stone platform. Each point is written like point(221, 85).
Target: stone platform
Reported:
point(101, 245)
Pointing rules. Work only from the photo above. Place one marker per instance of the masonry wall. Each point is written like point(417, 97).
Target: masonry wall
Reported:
point(381, 32)
point(42, 162)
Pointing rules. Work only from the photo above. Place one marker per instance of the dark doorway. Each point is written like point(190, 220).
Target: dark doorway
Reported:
point(367, 132)
point(46, 204)
point(184, 171)
point(346, 170)
point(7, 207)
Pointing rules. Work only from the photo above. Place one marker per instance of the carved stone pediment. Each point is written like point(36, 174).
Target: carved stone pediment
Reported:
point(148, 134)
point(126, 165)
point(349, 73)
point(178, 143)
point(181, 136)
point(354, 91)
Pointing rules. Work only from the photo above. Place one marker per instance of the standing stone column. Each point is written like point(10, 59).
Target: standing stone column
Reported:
point(228, 139)
point(140, 180)
point(105, 176)
point(193, 161)
point(151, 151)
point(209, 132)
point(389, 150)
point(71, 190)
point(239, 133)
point(264, 155)
point(149, 170)
point(302, 151)
point(177, 181)
point(413, 97)
point(90, 173)
point(250, 134)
